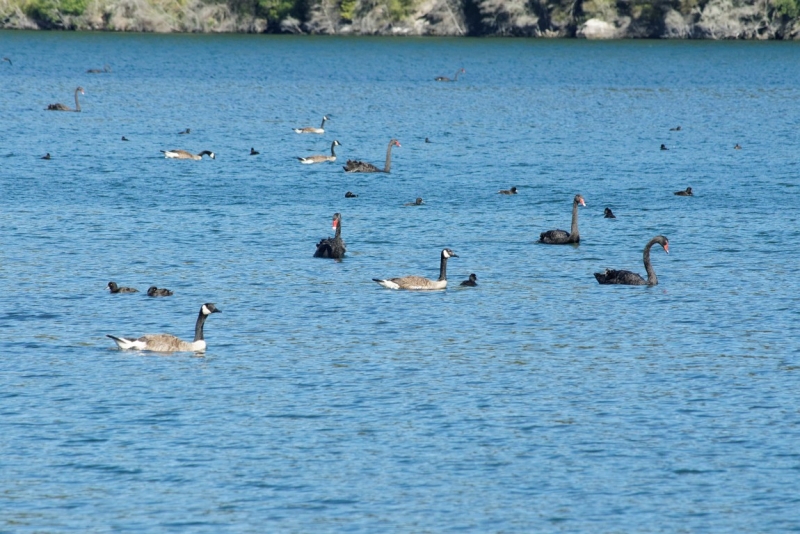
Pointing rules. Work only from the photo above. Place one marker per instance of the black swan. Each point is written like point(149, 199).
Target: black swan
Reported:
point(687, 193)
point(472, 282)
point(168, 342)
point(560, 237)
point(608, 214)
point(446, 79)
point(311, 129)
point(332, 247)
point(360, 166)
point(154, 291)
point(62, 107)
point(114, 288)
point(610, 276)
point(512, 191)
point(319, 158)
point(420, 282)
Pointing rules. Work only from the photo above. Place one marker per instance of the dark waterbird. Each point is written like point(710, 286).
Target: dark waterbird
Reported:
point(686, 193)
point(62, 107)
point(154, 291)
point(446, 79)
point(332, 247)
point(608, 214)
point(628, 278)
point(360, 166)
point(472, 282)
point(114, 288)
point(560, 237)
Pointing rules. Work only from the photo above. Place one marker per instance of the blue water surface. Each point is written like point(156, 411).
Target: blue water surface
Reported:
point(539, 401)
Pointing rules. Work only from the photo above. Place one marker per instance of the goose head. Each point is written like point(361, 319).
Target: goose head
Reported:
point(448, 253)
point(209, 308)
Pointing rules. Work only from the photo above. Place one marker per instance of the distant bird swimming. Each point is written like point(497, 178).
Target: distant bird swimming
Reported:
point(62, 107)
point(168, 342)
point(676, 129)
point(9, 61)
point(186, 131)
point(686, 193)
point(114, 288)
point(417, 202)
point(628, 278)
point(183, 154)
point(311, 129)
point(560, 237)
point(446, 79)
point(472, 282)
point(350, 194)
point(737, 146)
point(254, 152)
point(125, 138)
point(154, 291)
point(46, 156)
point(361, 166)
point(420, 283)
point(608, 214)
point(320, 158)
point(332, 247)
point(664, 147)
point(512, 191)
point(105, 69)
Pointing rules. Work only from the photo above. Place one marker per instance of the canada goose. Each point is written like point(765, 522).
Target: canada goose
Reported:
point(446, 79)
point(472, 282)
point(125, 138)
point(676, 129)
point(254, 152)
point(332, 247)
point(62, 107)
point(46, 156)
point(182, 154)
point(105, 69)
point(608, 214)
point(512, 191)
point(628, 278)
point(185, 132)
point(154, 291)
point(686, 193)
point(419, 282)
point(560, 237)
point(350, 194)
point(417, 202)
point(664, 147)
point(360, 166)
point(114, 288)
point(319, 158)
point(168, 342)
point(311, 129)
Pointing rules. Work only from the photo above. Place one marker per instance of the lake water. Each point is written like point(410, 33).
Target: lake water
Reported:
point(539, 401)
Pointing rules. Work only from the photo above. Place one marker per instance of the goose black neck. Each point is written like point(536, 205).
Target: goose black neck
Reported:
point(198, 327)
point(332, 147)
point(443, 268)
point(652, 279)
point(323, 122)
point(574, 236)
point(455, 78)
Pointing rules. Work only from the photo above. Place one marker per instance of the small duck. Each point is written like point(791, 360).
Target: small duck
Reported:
point(686, 193)
point(46, 156)
point(737, 146)
point(608, 214)
point(185, 132)
point(427, 140)
point(254, 152)
point(676, 129)
point(153, 291)
point(350, 194)
point(114, 288)
point(125, 138)
point(664, 147)
point(472, 282)
point(417, 202)
point(512, 191)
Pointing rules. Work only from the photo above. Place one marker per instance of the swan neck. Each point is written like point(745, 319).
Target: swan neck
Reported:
point(198, 327)
point(388, 165)
point(652, 279)
point(338, 230)
point(455, 78)
point(573, 231)
point(443, 269)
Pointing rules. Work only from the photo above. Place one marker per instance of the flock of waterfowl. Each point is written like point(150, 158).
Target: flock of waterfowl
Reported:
point(334, 247)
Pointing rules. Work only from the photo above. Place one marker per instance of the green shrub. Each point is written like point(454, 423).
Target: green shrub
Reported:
point(787, 8)
point(347, 9)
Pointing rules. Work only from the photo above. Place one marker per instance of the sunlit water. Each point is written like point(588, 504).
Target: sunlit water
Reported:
point(538, 401)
